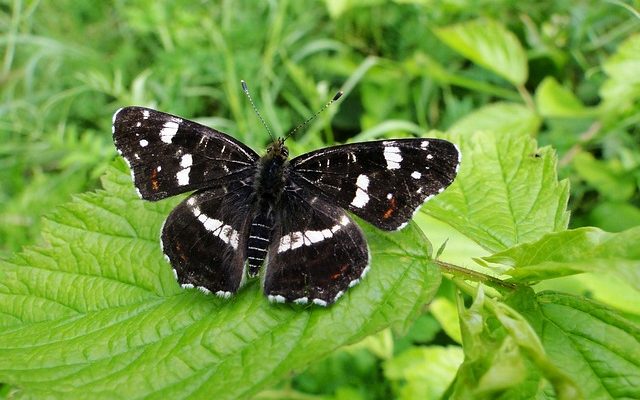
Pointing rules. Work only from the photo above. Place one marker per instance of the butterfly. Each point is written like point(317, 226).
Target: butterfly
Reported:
point(247, 210)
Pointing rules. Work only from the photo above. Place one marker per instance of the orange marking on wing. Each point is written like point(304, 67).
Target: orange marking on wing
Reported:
point(343, 269)
point(393, 204)
point(180, 252)
point(154, 179)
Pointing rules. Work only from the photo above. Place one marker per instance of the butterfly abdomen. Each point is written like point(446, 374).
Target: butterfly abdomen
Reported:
point(258, 242)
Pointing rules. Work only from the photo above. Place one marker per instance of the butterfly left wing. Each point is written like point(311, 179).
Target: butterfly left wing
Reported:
point(205, 238)
point(383, 182)
point(169, 155)
point(317, 253)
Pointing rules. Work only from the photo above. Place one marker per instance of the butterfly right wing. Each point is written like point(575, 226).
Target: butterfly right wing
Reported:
point(169, 155)
point(205, 238)
point(318, 252)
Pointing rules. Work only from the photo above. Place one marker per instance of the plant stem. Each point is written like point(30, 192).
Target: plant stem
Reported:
point(474, 275)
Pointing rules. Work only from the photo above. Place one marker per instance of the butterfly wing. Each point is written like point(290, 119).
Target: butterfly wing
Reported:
point(169, 155)
point(205, 237)
point(318, 251)
point(383, 182)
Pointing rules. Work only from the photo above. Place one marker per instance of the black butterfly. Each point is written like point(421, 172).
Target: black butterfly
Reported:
point(247, 209)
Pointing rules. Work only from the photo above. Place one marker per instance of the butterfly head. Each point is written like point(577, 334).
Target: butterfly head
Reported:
point(277, 150)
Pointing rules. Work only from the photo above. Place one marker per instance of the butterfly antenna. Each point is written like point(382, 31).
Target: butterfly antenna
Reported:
point(305, 123)
point(245, 89)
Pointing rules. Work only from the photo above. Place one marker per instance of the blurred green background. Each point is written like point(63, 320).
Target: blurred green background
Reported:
point(68, 65)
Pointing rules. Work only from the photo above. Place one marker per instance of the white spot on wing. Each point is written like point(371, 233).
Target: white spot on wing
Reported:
point(226, 233)
point(416, 175)
point(168, 131)
point(144, 143)
point(362, 197)
point(285, 243)
point(186, 161)
point(223, 294)
point(362, 181)
point(145, 114)
point(459, 158)
point(296, 240)
point(187, 286)
point(183, 176)
point(392, 156)
point(314, 236)
point(424, 144)
point(204, 290)
point(320, 302)
point(276, 298)
point(301, 300)
point(115, 115)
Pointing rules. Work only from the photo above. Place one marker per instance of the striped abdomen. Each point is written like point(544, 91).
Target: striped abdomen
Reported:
point(258, 243)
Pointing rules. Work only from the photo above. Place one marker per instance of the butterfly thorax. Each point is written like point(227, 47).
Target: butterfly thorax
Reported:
point(271, 175)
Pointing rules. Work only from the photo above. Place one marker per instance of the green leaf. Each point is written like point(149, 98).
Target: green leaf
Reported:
point(622, 88)
point(554, 100)
point(423, 372)
point(614, 216)
point(96, 312)
point(573, 252)
point(507, 191)
point(613, 183)
point(445, 312)
point(597, 347)
point(338, 7)
point(505, 118)
point(490, 45)
point(494, 366)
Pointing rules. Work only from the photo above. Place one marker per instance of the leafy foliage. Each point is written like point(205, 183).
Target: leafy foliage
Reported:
point(130, 313)
point(543, 99)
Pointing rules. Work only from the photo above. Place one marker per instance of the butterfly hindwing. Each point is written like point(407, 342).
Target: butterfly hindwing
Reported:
point(169, 155)
point(205, 238)
point(317, 253)
point(383, 182)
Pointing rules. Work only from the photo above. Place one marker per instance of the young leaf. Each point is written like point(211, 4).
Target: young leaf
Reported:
point(622, 88)
point(423, 372)
point(611, 182)
point(96, 312)
point(506, 118)
point(554, 100)
point(597, 347)
point(494, 366)
point(575, 251)
point(490, 45)
point(507, 191)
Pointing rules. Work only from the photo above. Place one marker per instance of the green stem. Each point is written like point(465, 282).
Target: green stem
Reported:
point(475, 276)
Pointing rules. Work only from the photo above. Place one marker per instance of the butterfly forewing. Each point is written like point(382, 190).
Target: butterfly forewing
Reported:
point(317, 252)
point(169, 155)
point(205, 238)
point(383, 182)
